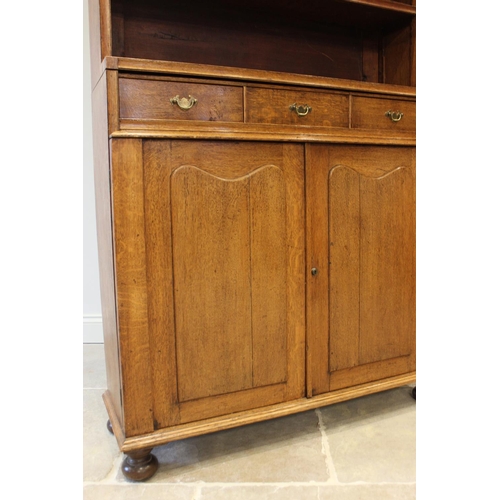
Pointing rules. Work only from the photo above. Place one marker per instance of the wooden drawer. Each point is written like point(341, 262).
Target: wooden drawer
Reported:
point(371, 112)
point(150, 99)
point(268, 105)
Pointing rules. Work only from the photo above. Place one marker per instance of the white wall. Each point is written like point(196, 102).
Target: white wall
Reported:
point(92, 319)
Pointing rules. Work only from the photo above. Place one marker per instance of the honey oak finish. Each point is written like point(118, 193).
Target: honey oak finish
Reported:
point(255, 193)
point(209, 255)
point(361, 238)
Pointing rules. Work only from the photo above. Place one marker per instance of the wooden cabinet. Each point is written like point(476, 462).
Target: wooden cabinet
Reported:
point(255, 185)
point(210, 276)
point(361, 241)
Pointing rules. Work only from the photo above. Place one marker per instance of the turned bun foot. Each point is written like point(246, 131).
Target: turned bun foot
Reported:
point(139, 465)
point(109, 426)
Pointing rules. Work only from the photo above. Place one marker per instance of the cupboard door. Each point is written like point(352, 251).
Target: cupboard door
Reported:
point(361, 241)
point(222, 324)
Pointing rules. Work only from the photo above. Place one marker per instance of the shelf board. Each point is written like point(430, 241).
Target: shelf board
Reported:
point(251, 75)
point(386, 4)
point(300, 14)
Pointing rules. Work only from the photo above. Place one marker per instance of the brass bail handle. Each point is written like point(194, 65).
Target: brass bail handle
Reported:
point(184, 103)
point(395, 116)
point(301, 110)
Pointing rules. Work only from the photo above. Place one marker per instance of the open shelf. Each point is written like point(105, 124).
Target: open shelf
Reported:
point(360, 40)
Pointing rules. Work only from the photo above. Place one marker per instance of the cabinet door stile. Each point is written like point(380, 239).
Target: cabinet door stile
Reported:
point(317, 259)
point(293, 157)
point(160, 282)
point(131, 284)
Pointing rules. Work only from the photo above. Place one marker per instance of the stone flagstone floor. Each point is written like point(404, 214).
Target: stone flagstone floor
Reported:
point(362, 449)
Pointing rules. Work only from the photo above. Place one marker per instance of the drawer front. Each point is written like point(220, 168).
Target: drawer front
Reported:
point(290, 107)
point(383, 114)
point(142, 99)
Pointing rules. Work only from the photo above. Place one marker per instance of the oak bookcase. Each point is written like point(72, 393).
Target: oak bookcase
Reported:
point(255, 186)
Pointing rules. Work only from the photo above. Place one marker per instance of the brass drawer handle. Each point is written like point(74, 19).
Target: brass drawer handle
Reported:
point(300, 110)
point(184, 103)
point(395, 116)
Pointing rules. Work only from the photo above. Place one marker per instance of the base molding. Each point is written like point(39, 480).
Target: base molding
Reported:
point(183, 431)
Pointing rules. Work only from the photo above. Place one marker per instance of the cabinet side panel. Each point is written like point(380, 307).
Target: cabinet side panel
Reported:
point(100, 35)
point(212, 280)
point(95, 40)
point(344, 267)
point(387, 319)
point(399, 51)
point(105, 243)
point(131, 284)
point(413, 54)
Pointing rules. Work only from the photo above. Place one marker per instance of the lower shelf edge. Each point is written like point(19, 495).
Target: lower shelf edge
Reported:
point(183, 431)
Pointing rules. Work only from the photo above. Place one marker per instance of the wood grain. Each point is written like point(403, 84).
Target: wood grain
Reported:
point(105, 243)
point(114, 418)
point(105, 24)
point(95, 41)
point(377, 370)
point(150, 99)
point(384, 287)
point(212, 280)
point(131, 285)
point(232, 420)
point(230, 217)
point(246, 74)
point(118, 28)
point(268, 254)
point(100, 36)
point(398, 56)
point(371, 66)
point(271, 105)
point(413, 54)
point(264, 133)
point(161, 314)
point(344, 253)
point(112, 104)
point(387, 265)
point(211, 220)
point(294, 173)
point(368, 112)
point(317, 302)
point(240, 37)
point(224, 404)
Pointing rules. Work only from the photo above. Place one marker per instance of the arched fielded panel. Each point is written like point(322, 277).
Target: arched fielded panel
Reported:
point(229, 247)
